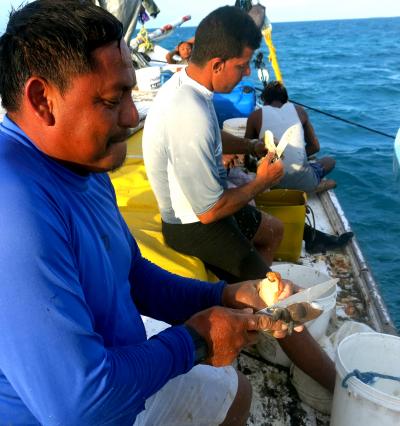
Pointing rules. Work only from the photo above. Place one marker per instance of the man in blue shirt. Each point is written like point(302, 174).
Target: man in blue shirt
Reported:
point(72, 280)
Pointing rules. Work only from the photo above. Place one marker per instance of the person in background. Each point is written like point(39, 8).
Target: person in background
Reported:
point(73, 282)
point(183, 50)
point(182, 150)
point(278, 115)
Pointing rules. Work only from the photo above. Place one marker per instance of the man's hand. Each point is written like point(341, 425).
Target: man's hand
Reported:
point(259, 149)
point(246, 294)
point(230, 160)
point(270, 172)
point(227, 331)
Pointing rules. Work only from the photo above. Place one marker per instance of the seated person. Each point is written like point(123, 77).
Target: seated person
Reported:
point(183, 50)
point(74, 284)
point(277, 115)
point(182, 150)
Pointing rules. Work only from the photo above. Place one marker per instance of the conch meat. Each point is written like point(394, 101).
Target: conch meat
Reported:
point(271, 287)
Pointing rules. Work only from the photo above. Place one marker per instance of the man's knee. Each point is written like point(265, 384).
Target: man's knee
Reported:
point(270, 231)
point(328, 164)
point(279, 229)
point(239, 411)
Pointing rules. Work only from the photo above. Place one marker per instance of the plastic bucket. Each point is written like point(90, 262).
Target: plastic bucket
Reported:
point(359, 403)
point(304, 276)
point(235, 126)
point(148, 78)
point(288, 205)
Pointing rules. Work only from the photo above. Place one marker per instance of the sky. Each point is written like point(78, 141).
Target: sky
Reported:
point(277, 10)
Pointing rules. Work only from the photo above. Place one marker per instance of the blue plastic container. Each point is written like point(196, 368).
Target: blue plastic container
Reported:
point(239, 103)
point(165, 76)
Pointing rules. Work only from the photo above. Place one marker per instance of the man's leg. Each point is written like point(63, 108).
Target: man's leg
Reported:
point(327, 163)
point(268, 236)
point(305, 352)
point(221, 245)
point(205, 395)
point(240, 408)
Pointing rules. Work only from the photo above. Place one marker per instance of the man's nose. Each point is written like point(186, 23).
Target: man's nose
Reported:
point(129, 116)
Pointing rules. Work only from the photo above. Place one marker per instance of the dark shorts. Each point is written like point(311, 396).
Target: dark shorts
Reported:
point(224, 246)
point(318, 170)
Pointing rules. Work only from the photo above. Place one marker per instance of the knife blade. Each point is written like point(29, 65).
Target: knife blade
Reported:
point(309, 295)
point(292, 133)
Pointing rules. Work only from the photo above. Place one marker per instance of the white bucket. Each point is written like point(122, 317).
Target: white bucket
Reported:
point(304, 276)
point(235, 126)
point(359, 403)
point(148, 78)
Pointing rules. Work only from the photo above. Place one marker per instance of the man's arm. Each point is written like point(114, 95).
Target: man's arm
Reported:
point(52, 353)
point(171, 298)
point(253, 125)
point(233, 199)
point(232, 144)
point(170, 56)
point(310, 138)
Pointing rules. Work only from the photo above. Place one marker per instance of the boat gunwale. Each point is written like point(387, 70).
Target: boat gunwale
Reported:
point(369, 288)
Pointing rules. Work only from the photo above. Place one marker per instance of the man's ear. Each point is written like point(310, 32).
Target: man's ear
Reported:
point(37, 92)
point(217, 65)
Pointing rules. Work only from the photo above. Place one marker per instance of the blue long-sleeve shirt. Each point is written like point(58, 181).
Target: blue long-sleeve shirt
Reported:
point(73, 347)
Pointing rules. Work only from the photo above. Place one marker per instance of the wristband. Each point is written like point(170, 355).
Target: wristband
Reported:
point(200, 345)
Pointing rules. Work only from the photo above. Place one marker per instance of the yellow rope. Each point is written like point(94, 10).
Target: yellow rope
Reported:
point(267, 33)
point(146, 45)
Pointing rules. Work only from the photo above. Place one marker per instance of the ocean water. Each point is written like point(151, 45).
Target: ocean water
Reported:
point(351, 68)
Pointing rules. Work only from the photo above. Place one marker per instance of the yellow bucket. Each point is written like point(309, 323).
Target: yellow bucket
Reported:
point(289, 206)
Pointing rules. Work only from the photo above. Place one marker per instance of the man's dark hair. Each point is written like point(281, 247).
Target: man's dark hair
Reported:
point(54, 40)
point(274, 91)
point(224, 34)
point(185, 42)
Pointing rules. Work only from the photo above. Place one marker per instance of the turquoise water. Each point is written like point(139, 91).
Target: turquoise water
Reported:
point(351, 68)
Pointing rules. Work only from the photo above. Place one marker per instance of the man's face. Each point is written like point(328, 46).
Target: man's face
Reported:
point(185, 50)
point(93, 117)
point(233, 71)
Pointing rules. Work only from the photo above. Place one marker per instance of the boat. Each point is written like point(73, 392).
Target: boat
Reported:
point(275, 400)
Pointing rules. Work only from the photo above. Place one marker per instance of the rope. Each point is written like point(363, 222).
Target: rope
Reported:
point(146, 44)
point(367, 377)
point(340, 118)
point(346, 121)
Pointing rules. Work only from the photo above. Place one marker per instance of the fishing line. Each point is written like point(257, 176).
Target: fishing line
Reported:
point(345, 120)
point(339, 118)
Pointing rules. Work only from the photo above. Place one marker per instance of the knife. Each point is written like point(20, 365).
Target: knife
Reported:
point(308, 295)
point(291, 133)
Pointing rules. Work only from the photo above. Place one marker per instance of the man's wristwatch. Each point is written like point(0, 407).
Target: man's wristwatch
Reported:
point(200, 345)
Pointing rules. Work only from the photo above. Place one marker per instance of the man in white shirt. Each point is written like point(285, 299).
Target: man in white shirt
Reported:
point(183, 156)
